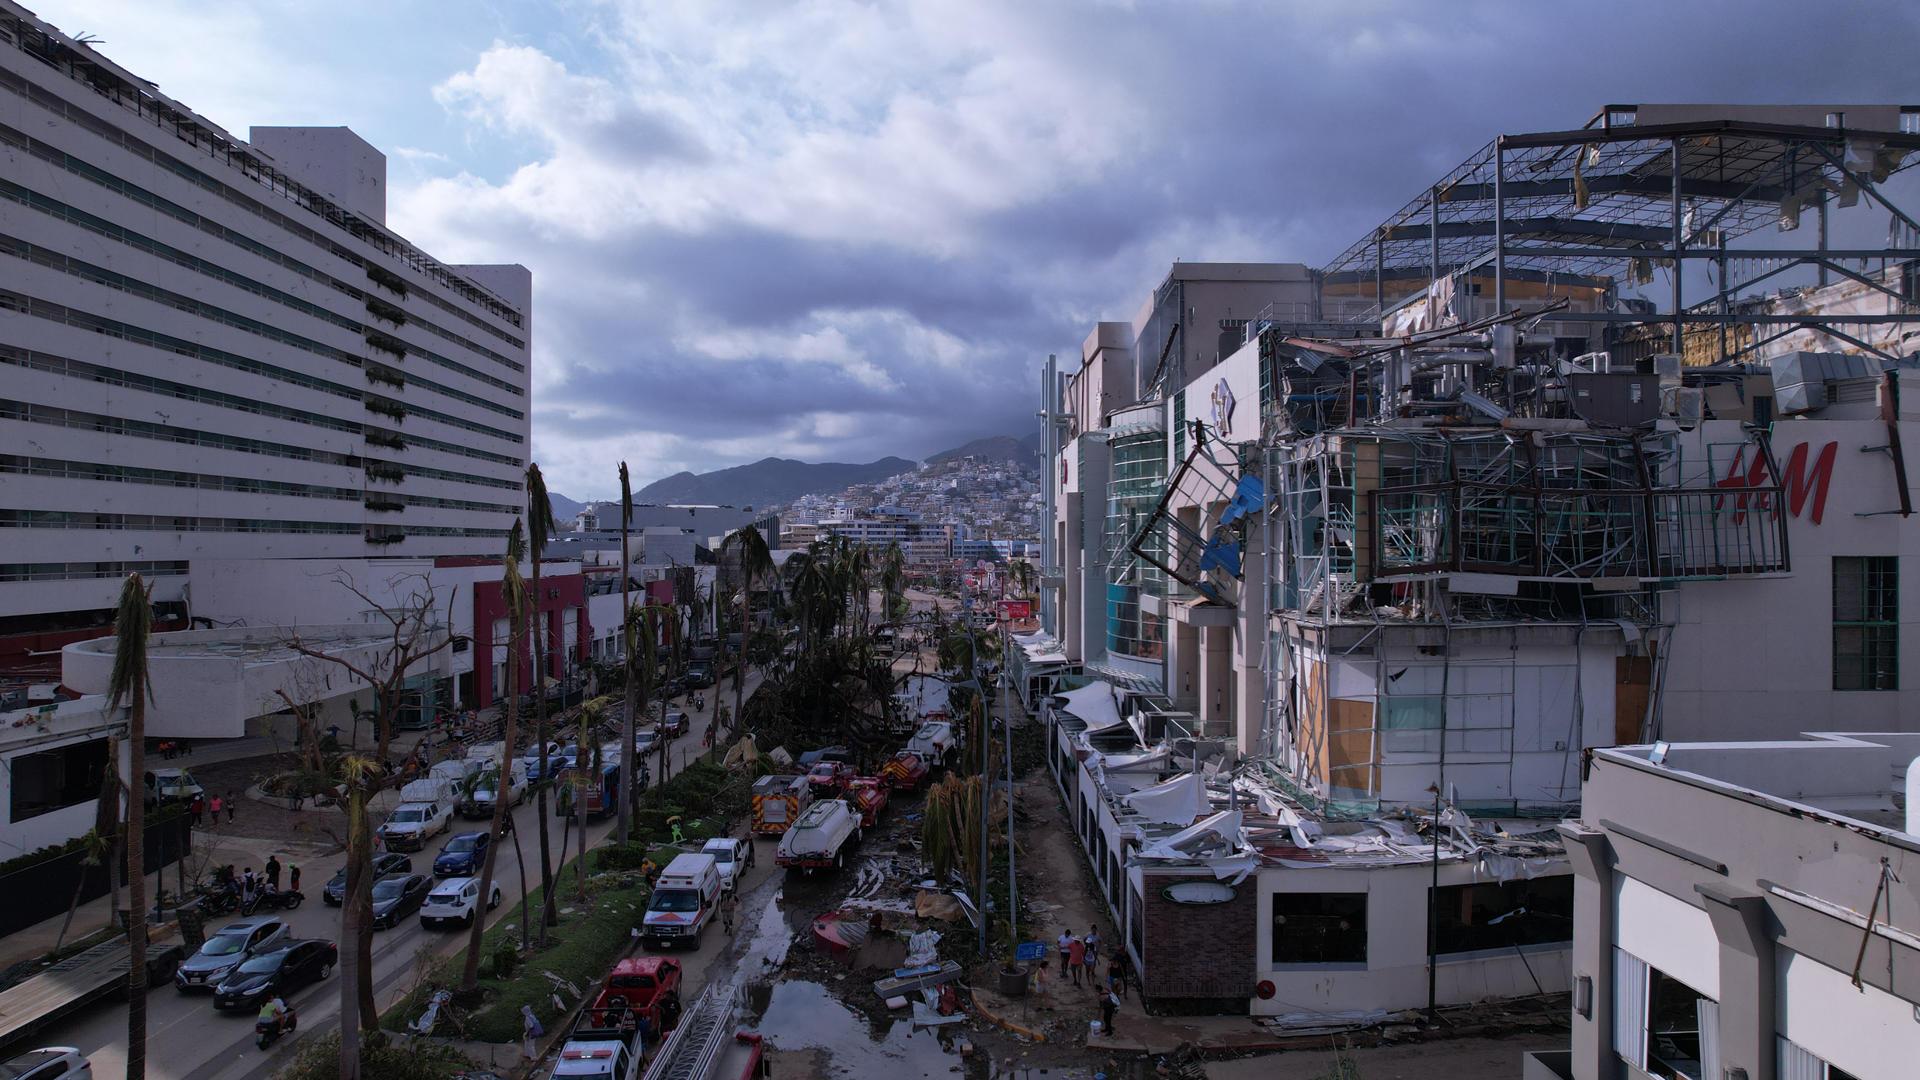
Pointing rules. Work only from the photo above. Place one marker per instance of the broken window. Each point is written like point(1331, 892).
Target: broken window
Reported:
point(1320, 928)
point(1866, 622)
point(1503, 915)
point(55, 779)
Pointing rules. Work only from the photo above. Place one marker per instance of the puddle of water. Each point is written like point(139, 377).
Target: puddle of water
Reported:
point(803, 1015)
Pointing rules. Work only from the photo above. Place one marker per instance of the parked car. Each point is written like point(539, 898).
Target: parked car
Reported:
point(730, 857)
point(412, 824)
point(290, 966)
point(46, 1063)
point(388, 862)
point(456, 900)
point(174, 785)
point(225, 950)
point(463, 856)
point(673, 724)
point(397, 896)
point(485, 786)
point(830, 777)
point(646, 741)
point(531, 755)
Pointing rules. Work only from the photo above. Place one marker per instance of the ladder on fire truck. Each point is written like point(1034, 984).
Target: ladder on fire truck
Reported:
point(694, 1048)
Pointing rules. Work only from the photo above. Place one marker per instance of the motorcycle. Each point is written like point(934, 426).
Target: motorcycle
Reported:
point(273, 900)
point(699, 702)
point(266, 1031)
point(221, 899)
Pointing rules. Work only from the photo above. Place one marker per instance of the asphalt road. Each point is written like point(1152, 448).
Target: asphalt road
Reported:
point(187, 1039)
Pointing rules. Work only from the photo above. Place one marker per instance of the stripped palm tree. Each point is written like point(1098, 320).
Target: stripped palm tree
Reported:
point(513, 591)
point(626, 606)
point(638, 637)
point(893, 580)
point(540, 528)
point(132, 623)
point(755, 562)
point(587, 765)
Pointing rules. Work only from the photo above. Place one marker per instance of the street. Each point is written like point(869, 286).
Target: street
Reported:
point(187, 1039)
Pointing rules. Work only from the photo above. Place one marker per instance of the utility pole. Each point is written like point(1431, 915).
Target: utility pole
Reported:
point(986, 779)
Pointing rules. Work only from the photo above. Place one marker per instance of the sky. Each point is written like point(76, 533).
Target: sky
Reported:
point(842, 229)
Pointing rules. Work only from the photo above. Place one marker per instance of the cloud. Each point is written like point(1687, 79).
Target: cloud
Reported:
point(849, 228)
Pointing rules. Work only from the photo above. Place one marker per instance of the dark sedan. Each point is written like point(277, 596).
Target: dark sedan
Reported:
point(463, 856)
point(397, 896)
point(276, 974)
point(391, 862)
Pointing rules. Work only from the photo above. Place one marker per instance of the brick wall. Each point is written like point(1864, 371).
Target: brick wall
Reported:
point(1199, 950)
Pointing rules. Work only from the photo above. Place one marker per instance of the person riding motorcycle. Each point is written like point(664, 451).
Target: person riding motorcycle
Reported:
point(274, 1011)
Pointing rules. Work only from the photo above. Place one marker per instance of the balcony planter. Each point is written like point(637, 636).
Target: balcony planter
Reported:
point(387, 279)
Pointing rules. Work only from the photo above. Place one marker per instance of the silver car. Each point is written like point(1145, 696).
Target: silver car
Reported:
point(225, 950)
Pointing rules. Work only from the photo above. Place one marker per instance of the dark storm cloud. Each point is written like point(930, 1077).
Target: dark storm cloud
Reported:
point(1275, 132)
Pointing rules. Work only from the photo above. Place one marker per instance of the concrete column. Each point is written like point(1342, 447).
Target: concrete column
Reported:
point(1216, 679)
point(1746, 978)
point(1591, 1038)
point(1183, 665)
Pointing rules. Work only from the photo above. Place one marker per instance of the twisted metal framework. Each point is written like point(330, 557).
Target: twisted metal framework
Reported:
point(1615, 198)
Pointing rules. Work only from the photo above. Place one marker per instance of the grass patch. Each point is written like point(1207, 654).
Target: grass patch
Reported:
point(590, 937)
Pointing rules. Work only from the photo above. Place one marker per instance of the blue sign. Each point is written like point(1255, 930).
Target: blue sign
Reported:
point(1030, 950)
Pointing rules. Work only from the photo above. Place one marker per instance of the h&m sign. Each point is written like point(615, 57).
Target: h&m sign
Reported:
point(1800, 482)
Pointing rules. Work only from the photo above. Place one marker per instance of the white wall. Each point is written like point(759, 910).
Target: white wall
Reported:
point(30, 732)
point(1395, 976)
point(1753, 658)
point(1864, 1030)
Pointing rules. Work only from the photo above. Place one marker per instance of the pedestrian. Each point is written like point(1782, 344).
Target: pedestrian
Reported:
point(246, 885)
point(273, 873)
point(1040, 976)
point(197, 807)
point(216, 809)
point(1109, 1004)
point(530, 1030)
point(231, 807)
point(1077, 958)
point(293, 877)
point(1065, 940)
point(727, 907)
point(1117, 975)
point(1092, 958)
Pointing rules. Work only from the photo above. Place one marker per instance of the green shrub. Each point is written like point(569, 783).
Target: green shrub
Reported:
point(381, 1058)
point(627, 856)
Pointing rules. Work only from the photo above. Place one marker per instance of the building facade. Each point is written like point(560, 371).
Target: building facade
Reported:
point(217, 349)
point(1739, 912)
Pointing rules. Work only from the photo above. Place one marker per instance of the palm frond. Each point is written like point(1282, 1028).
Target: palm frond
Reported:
point(132, 624)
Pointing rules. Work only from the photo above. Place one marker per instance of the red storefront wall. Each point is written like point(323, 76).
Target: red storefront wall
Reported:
point(557, 595)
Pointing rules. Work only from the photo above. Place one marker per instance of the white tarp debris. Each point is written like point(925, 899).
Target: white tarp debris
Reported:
point(1512, 867)
point(1096, 704)
point(1153, 760)
point(922, 949)
point(1217, 841)
point(1176, 802)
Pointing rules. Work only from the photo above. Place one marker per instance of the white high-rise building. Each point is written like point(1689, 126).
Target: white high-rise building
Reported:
point(215, 349)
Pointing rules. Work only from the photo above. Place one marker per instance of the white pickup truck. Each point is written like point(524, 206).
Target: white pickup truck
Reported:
point(412, 824)
point(599, 1055)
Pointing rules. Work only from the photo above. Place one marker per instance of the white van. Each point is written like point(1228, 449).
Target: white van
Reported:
point(685, 898)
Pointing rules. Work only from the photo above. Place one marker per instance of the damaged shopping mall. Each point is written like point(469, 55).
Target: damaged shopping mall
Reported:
point(1598, 440)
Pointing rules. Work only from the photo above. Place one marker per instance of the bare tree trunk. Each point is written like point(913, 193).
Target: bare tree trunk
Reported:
point(526, 901)
point(72, 906)
point(137, 881)
point(587, 760)
point(549, 912)
point(627, 721)
point(353, 918)
point(470, 974)
point(740, 660)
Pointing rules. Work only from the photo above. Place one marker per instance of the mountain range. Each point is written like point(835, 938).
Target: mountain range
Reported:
point(775, 481)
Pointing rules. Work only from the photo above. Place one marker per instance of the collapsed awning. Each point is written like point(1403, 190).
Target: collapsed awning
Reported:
point(1096, 703)
point(1176, 802)
point(1217, 842)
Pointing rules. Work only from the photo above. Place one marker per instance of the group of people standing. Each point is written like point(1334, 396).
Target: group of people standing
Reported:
point(206, 809)
point(1080, 961)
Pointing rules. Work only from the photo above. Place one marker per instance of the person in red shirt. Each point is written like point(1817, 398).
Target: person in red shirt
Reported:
point(1076, 958)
